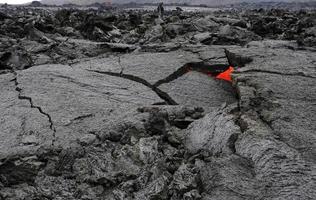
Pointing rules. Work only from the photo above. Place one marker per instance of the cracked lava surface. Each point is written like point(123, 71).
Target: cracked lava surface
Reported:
point(111, 128)
point(139, 124)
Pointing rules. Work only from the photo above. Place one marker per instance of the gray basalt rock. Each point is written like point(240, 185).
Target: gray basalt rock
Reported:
point(198, 89)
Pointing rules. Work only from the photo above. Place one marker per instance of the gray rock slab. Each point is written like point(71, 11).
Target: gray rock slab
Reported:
point(79, 101)
point(22, 129)
point(198, 89)
point(149, 66)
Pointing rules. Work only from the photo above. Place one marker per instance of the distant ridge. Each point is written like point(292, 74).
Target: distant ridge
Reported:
point(191, 2)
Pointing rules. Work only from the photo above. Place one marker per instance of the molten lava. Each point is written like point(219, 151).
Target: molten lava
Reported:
point(219, 71)
point(226, 75)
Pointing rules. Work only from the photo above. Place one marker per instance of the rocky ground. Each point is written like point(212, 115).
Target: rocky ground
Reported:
point(100, 105)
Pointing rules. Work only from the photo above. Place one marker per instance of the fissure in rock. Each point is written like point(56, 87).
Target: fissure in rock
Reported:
point(30, 100)
point(163, 95)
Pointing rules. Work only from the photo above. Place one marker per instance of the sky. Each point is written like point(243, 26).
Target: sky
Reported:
point(14, 1)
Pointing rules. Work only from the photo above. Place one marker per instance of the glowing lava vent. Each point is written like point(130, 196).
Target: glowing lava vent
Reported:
point(226, 75)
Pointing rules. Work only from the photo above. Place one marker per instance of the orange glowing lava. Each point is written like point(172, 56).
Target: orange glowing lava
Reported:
point(226, 75)
point(220, 71)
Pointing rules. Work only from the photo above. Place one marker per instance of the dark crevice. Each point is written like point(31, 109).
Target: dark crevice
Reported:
point(159, 104)
point(301, 74)
point(202, 67)
point(175, 75)
point(30, 100)
point(234, 60)
point(163, 95)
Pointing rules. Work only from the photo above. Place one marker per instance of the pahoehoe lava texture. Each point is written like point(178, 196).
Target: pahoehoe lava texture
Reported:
point(112, 104)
